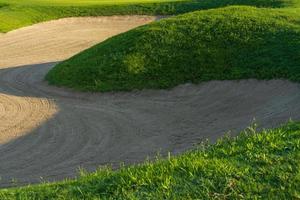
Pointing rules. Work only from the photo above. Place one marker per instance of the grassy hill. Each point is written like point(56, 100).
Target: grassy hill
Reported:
point(18, 13)
point(253, 165)
point(226, 43)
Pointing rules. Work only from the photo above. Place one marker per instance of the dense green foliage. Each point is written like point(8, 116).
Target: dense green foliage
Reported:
point(253, 165)
point(19, 13)
point(227, 43)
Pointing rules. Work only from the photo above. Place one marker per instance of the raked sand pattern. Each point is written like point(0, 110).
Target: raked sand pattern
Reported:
point(47, 133)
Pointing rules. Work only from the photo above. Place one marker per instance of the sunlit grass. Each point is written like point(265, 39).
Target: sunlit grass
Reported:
point(230, 43)
point(83, 2)
point(19, 13)
point(254, 165)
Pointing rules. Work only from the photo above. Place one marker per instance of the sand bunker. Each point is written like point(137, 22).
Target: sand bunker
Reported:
point(60, 39)
point(49, 41)
point(50, 132)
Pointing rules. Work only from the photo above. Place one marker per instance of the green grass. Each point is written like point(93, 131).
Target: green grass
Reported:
point(227, 43)
point(254, 165)
point(19, 13)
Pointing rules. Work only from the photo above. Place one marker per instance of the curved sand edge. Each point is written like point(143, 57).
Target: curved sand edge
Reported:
point(49, 132)
point(59, 39)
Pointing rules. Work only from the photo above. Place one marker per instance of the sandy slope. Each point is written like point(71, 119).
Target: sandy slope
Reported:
point(59, 39)
point(49, 132)
point(44, 42)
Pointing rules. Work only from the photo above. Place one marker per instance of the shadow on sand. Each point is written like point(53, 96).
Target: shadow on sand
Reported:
point(91, 129)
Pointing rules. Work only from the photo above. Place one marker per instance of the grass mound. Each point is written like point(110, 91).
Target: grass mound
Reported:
point(3, 5)
point(19, 13)
point(228, 43)
point(253, 165)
